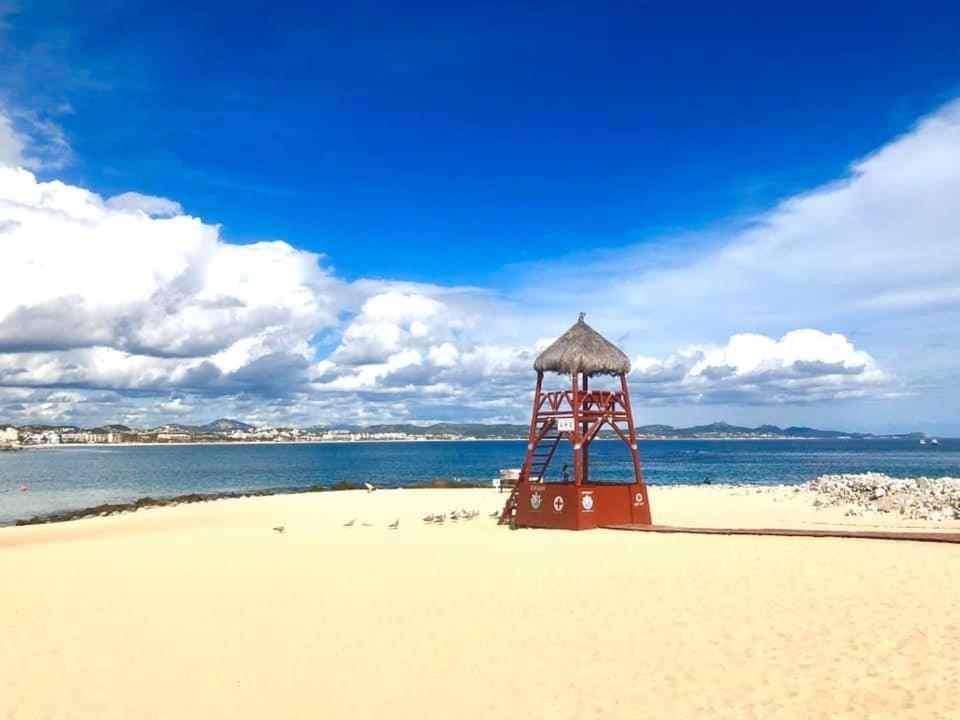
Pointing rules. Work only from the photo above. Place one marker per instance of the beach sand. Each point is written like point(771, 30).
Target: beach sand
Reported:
point(203, 611)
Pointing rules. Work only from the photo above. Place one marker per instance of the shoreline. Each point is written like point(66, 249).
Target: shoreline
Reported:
point(148, 501)
point(228, 443)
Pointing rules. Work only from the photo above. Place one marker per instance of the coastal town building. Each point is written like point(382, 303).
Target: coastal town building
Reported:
point(174, 437)
point(90, 437)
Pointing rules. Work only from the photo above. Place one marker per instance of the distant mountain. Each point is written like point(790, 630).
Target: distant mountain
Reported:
point(222, 425)
point(46, 428)
point(479, 430)
point(717, 428)
point(509, 430)
point(795, 431)
point(713, 430)
point(225, 425)
point(110, 429)
point(655, 429)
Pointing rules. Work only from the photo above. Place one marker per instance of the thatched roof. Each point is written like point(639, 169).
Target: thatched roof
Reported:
point(581, 349)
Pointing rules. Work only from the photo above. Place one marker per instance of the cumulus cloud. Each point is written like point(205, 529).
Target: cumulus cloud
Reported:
point(427, 340)
point(129, 308)
point(95, 294)
point(148, 204)
point(868, 250)
point(873, 255)
point(801, 367)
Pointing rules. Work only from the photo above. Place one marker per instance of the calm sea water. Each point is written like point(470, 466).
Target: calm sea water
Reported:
point(73, 478)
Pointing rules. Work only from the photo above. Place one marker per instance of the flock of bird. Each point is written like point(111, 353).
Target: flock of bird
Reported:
point(393, 526)
point(438, 519)
point(453, 516)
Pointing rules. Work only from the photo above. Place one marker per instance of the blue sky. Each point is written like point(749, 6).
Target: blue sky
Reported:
point(422, 140)
point(463, 152)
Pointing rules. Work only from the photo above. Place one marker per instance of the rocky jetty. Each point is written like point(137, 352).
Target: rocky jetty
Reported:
point(149, 502)
point(920, 498)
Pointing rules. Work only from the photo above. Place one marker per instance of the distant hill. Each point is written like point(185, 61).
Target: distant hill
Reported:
point(46, 428)
point(223, 425)
point(110, 428)
point(479, 430)
point(509, 430)
point(713, 430)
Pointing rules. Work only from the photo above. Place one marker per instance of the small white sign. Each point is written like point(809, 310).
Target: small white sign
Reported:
point(565, 424)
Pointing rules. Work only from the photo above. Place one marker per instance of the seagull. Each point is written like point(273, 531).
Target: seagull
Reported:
point(279, 529)
point(495, 513)
point(428, 518)
point(438, 519)
point(350, 524)
point(395, 524)
point(370, 488)
point(367, 524)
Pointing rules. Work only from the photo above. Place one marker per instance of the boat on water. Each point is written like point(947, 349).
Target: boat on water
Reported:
point(923, 441)
point(934, 441)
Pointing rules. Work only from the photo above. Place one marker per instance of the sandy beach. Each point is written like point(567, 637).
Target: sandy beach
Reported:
point(204, 611)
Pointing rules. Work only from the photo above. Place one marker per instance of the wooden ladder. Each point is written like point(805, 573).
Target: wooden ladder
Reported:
point(505, 513)
point(540, 459)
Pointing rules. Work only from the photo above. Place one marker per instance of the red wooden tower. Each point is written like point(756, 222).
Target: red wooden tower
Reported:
point(576, 416)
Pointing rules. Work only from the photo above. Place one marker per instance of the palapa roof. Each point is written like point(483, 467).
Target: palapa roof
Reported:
point(581, 349)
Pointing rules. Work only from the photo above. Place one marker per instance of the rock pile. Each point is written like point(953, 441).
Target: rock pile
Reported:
point(921, 498)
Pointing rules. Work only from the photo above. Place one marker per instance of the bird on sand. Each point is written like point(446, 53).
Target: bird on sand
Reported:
point(279, 529)
point(350, 524)
point(395, 524)
point(428, 518)
point(495, 513)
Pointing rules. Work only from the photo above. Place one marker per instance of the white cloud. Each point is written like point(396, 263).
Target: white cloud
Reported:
point(149, 204)
point(874, 256)
point(125, 301)
point(802, 366)
point(420, 337)
point(31, 141)
point(12, 143)
point(95, 295)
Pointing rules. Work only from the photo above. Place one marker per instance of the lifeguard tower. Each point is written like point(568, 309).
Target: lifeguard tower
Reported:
point(576, 416)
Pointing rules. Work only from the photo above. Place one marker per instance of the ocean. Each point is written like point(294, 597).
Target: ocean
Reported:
point(71, 478)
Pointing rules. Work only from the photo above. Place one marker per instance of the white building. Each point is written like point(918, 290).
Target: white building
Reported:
point(76, 437)
point(90, 437)
point(174, 437)
point(9, 435)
